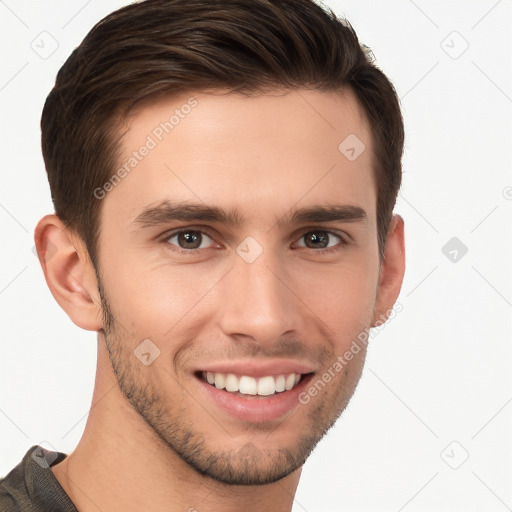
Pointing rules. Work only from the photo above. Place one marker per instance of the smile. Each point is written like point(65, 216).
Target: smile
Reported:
point(255, 391)
point(246, 385)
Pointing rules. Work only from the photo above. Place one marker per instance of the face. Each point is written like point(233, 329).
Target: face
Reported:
point(242, 247)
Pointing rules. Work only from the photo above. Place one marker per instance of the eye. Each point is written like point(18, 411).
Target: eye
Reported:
point(189, 239)
point(320, 239)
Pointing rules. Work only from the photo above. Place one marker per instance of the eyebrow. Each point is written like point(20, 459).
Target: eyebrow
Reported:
point(185, 211)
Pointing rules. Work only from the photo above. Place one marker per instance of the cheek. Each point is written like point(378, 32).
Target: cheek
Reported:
point(155, 299)
point(342, 297)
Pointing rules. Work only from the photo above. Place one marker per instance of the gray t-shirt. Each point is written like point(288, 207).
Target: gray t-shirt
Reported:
point(32, 487)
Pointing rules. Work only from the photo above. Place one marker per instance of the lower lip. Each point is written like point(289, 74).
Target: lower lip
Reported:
point(255, 408)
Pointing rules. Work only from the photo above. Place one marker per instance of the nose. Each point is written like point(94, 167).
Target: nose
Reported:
point(259, 303)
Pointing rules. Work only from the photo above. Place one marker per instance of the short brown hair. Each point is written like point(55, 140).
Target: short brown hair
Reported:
point(167, 47)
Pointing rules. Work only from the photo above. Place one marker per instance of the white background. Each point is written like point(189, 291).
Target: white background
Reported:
point(439, 372)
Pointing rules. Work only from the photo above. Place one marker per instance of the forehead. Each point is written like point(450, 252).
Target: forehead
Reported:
point(259, 155)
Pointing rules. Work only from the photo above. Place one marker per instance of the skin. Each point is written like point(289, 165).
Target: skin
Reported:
point(152, 429)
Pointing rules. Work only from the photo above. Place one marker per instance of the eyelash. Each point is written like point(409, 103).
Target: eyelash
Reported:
point(343, 241)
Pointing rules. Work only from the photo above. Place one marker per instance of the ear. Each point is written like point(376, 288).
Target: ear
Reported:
point(69, 272)
point(391, 271)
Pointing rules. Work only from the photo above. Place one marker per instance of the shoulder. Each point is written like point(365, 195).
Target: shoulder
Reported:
point(26, 486)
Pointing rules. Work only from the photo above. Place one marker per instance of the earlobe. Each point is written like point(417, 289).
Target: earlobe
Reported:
point(392, 271)
point(68, 272)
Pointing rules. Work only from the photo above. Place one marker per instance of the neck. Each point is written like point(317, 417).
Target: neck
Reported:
point(121, 464)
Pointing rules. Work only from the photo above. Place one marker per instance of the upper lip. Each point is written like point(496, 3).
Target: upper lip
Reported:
point(255, 368)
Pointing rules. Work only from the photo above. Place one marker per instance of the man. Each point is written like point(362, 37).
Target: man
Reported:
point(224, 176)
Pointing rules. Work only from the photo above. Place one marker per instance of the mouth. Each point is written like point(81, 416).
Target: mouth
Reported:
point(254, 391)
point(249, 386)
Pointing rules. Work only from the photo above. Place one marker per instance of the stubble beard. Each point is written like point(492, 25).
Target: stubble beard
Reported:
point(248, 464)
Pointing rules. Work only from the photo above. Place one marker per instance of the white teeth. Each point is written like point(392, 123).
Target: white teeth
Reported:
point(290, 381)
point(232, 383)
point(246, 385)
point(280, 383)
point(220, 380)
point(266, 386)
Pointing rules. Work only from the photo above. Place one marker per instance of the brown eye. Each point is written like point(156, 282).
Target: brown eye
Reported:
point(189, 239)
point(320, 239)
